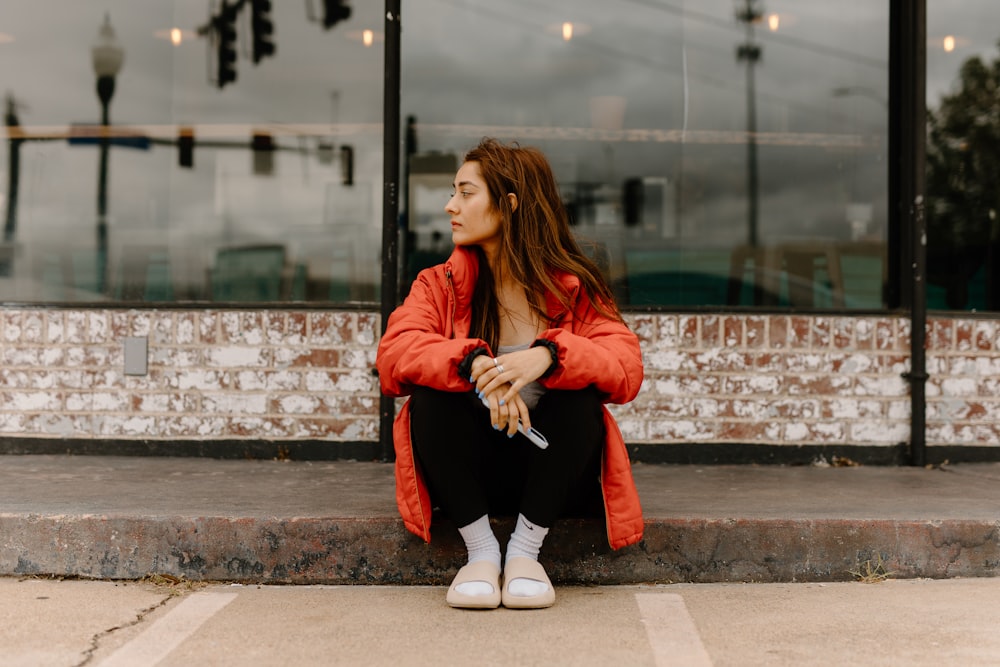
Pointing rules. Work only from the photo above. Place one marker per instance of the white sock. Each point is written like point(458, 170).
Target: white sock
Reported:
point(526, 588)
point(482, 544)
point(526, 542)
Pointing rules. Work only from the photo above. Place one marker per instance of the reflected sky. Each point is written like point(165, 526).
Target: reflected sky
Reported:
point(319, 79)
point(47, 64)
point(680, 55)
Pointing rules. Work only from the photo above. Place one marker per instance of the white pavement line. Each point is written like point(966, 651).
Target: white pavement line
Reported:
point(671, 631)
point(167, 633)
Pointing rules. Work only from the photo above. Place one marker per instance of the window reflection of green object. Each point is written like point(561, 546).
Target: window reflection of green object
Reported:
point(144, 274)
point(703, 277)
point(250, 273)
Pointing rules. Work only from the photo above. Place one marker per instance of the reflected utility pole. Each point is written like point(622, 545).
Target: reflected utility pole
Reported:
point(13, 172)
point(13, 167)
point(749, 51)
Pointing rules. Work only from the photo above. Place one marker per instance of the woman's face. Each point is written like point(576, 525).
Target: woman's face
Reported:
point(474, 220)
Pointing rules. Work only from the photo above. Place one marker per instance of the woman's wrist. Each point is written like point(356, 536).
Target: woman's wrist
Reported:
point(465, 366)
point(553, 353)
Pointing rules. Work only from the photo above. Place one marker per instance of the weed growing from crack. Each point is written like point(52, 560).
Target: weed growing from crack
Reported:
point(174, 585)
point(872, 573)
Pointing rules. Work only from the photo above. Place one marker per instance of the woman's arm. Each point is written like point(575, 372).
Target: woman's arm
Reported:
point(594, 350)
point(417, 348)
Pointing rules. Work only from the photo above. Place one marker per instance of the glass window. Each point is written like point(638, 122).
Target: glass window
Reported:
point(718, 152)
point(259, 189)
point(963, 155)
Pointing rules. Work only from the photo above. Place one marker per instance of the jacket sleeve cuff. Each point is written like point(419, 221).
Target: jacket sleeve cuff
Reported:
point(553, 351)
point(465, 366)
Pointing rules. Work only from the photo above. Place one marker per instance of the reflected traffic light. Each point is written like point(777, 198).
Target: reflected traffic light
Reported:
point(225, 30)
point(263, 29)
point(263, 148)
point(185, 147)
point(335, 11)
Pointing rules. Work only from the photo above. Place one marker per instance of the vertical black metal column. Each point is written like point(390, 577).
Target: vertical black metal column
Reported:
point(907, 145)
point(390, 200)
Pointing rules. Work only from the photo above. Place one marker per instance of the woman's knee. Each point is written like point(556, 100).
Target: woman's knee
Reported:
point(428, 401)
point(440, 415)
point(583, 406)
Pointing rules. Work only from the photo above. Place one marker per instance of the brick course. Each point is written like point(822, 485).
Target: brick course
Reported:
point(308, 375)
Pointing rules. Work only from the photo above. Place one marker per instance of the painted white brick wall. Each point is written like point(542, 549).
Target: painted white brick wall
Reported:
point(307, 375)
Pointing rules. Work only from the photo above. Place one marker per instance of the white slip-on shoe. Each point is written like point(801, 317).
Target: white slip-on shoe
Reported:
point(520, 567)
point(480, 570)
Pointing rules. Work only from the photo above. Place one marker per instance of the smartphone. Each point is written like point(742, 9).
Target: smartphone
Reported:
point(531, 434)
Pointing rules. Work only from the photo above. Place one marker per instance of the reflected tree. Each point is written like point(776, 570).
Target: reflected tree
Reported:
point(963, 173)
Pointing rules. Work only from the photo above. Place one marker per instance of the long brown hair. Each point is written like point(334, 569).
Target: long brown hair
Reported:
point(535, 238)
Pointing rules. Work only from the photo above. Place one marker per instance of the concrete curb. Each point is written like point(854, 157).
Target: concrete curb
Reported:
point(380, 551)
point(335, 523)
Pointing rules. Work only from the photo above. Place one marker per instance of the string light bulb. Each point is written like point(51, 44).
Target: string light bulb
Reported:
point(367, 37)
point(567, 31)
point(949, 43)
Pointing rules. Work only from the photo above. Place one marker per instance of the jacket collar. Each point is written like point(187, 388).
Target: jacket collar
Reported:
point(462, 268)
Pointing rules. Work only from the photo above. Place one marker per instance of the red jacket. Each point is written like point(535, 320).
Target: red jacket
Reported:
point(428, 336)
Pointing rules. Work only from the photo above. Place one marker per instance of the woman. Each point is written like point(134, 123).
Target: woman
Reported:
point(516, 328)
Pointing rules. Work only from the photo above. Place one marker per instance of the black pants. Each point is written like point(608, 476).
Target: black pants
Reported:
point(472, 469)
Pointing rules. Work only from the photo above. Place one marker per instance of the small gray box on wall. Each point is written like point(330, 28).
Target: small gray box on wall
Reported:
point(136, 355)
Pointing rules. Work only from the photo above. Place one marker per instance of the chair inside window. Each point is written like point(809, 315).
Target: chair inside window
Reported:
point(251, 273)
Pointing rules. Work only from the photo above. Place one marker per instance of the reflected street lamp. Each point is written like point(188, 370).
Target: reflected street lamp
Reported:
point(107, 55)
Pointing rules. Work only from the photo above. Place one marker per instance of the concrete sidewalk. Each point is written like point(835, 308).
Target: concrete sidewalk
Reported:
point(336, 522)
point(914, 623)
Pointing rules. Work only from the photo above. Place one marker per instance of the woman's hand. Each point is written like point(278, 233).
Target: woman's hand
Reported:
point(501, 379)
point(518, 369)
point(505, 415)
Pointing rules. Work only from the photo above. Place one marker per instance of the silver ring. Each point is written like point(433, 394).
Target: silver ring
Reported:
point(496, 363)
point(500, 368)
